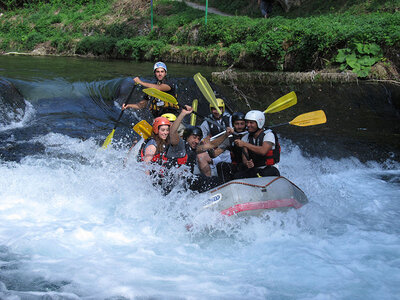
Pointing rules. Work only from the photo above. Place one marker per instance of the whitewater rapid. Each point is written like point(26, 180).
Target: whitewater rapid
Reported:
point(76, 224)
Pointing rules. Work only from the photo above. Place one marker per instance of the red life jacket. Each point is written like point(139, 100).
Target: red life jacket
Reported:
point(161, 158)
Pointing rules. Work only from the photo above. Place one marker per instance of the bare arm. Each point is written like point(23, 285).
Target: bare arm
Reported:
point(215, 143)
point(149, 153)
point(162, 87)
point(218, 151)
point(140, 105)
point(262, 150)
point(173, 134)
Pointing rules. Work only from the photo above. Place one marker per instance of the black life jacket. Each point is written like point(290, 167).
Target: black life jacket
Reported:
point(191, 157)
point(236, 152)
point(272, 157)
point(214, 130)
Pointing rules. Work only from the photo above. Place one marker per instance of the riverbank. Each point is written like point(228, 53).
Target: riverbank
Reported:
point(122, 30)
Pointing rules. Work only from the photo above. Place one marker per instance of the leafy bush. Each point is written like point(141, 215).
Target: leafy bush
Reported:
point(359, 58)
point(97, 45)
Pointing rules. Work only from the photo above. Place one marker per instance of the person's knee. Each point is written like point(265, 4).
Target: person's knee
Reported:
point(204, 161)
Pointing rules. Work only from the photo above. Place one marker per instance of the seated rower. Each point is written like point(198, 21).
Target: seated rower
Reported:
point(261, 147)
point(156, 106)
point(209, 130)
point(225, 169)
point(154, 148)
point(192, 145)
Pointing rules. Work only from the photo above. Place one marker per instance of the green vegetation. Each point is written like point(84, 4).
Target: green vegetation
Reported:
point(120, 30)
point(360, 58)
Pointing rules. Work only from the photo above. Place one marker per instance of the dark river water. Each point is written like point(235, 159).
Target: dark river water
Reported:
point(76, 224)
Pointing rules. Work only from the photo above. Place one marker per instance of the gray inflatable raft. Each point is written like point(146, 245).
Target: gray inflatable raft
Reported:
point(253, 196)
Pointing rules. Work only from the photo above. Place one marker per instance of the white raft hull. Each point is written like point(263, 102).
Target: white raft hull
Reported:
point(253, 196)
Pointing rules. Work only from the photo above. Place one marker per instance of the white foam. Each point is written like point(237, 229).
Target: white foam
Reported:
point(21, 118)
point(75, 215)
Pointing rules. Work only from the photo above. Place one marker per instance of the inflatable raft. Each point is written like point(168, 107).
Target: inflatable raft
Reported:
point(253, 196)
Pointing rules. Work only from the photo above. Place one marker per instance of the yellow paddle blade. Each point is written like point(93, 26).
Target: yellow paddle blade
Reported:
point(143, 128)
point(282, 103)
point(309, 119)
point(108, 139)
point(160, 95)
point(206, 90)
point(193, 116)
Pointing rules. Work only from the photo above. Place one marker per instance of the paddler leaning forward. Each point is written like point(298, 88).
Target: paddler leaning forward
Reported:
point(191, 145)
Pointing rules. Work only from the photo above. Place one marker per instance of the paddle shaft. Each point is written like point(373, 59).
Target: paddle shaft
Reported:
point(122, 111)
point(205, 118)
point(277, 125)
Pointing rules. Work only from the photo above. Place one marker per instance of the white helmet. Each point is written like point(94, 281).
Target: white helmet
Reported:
point(160, 64)
point(256, 115)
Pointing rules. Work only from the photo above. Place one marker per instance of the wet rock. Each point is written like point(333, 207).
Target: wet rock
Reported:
point(12, 104)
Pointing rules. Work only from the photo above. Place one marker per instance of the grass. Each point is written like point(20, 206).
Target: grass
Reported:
point(121, 29)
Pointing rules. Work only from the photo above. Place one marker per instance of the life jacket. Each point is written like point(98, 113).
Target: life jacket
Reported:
point(162, 158)
point(191, 157)
point(174, 161)
point(157, 158)
point(236, 152)
point(214, 130)
point(272, 157)
point(159, 107)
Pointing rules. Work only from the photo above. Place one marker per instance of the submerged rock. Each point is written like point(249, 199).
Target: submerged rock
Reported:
point(12, 104)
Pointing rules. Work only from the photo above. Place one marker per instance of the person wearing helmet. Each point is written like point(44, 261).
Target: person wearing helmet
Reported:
point(225, 169)
point(210, 129)
point(172, 118)
point(155, 147)
point(169, 116)
point(261, 149)
point(157, 107)
point(194, 148)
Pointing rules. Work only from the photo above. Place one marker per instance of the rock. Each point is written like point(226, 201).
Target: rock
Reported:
point(384, 71)
point(12, 104)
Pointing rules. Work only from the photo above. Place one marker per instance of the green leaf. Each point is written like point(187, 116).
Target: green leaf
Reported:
point(368, 61)
point(341, 56)
point(360, 48)
point(373, 49)
point(362, 72)
point(351, 60)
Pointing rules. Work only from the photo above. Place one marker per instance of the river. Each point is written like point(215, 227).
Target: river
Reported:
point(76, 224)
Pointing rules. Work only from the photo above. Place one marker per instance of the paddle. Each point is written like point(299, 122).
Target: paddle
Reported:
point(282, 103)
point(307, 119)
point(143, 128)
point(109, 138)
point(193, 116)
point(171, 99)
point(206, 90)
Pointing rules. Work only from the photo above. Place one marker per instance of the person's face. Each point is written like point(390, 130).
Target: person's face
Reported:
point(193, 141)
point(160, 73)
point(163, 132)
point(239, 125)
point(251, 126)
point(215, 112)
